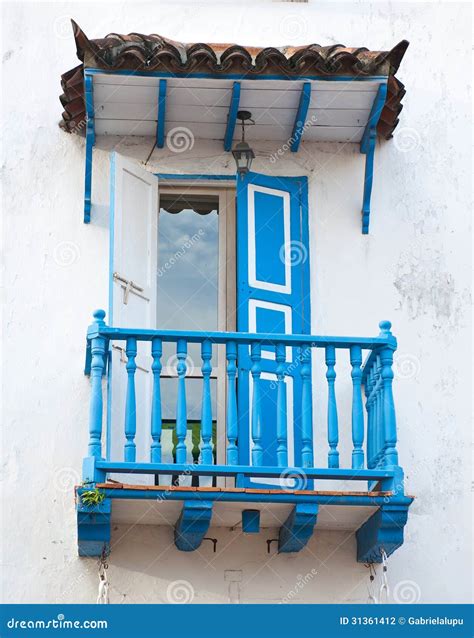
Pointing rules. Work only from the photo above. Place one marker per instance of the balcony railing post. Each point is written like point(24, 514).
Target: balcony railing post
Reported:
point(333, 434)
point(281, 424)
point(131, 402)
point(181, 410)
point(306, 407)
point(386, 359)
point(206, 407)
point(379, 433)
point(369, 406)
point(232, 432)
point(98, 347)
point(357, 409)
point(257, 450)
point(156, 416)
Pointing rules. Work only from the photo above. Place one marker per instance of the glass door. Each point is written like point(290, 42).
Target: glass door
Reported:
point(195, 292)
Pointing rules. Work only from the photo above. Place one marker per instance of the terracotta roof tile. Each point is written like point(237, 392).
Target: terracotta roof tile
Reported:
point(137, 52)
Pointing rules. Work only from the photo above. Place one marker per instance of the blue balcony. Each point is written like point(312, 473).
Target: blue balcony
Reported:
point(267, 437)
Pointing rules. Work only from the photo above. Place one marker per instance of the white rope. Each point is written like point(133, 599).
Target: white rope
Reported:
point(103, 595)
point(371, 598)
point(384, 593)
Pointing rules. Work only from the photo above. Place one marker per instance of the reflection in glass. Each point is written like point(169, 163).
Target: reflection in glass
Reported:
point(187, 299)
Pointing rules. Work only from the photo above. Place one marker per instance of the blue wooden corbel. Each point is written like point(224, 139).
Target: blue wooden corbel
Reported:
point(383, 531)
point(93, 528)
point(367, 147)
point(250, 521)
point(298, 528)
point(160, 125)
point(90, 141)
point(192, 525)
point(300, 121)
point(232, 117)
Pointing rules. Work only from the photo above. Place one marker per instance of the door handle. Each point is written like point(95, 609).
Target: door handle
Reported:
point(129, 286)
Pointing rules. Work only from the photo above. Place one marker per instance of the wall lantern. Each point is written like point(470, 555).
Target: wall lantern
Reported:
point(242, 152)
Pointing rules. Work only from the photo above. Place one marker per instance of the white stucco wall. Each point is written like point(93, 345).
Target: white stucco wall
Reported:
point(413, 268)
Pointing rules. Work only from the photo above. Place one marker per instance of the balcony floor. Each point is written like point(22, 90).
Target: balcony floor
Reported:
point(157, 510)
point(376, 517)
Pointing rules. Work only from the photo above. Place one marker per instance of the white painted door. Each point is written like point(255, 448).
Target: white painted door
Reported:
point(133, 272)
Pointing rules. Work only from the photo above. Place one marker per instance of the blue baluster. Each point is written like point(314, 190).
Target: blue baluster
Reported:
point(386, 359)
point(256, 370)
point(98, 346)
point(374, 413)
point(156, 419)
point(232, 431)
point(131, 403)
point(181, 413)
point(307, 408)
point(206, 407)
point(357, 409)
point(333, 433)
point(281, 423)
point(379, 424)
point(369, 405)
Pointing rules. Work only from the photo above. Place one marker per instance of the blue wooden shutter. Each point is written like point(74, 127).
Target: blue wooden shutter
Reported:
point(273, 296)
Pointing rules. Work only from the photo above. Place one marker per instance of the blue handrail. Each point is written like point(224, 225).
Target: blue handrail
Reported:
point(169, 336)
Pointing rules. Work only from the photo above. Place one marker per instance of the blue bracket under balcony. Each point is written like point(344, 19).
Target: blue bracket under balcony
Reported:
point(298, 528)
point(93, 528)
point(192, 525)
point(367, 147)
point(382, 532)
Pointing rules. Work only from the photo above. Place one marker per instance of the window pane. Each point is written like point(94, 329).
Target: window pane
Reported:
point(187, 270)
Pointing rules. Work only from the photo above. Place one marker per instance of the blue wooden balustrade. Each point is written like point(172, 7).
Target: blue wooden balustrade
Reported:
point(373, 429)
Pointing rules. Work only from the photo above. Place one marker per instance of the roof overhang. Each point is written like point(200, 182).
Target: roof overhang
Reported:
point(331, 110)
point(150, 86)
